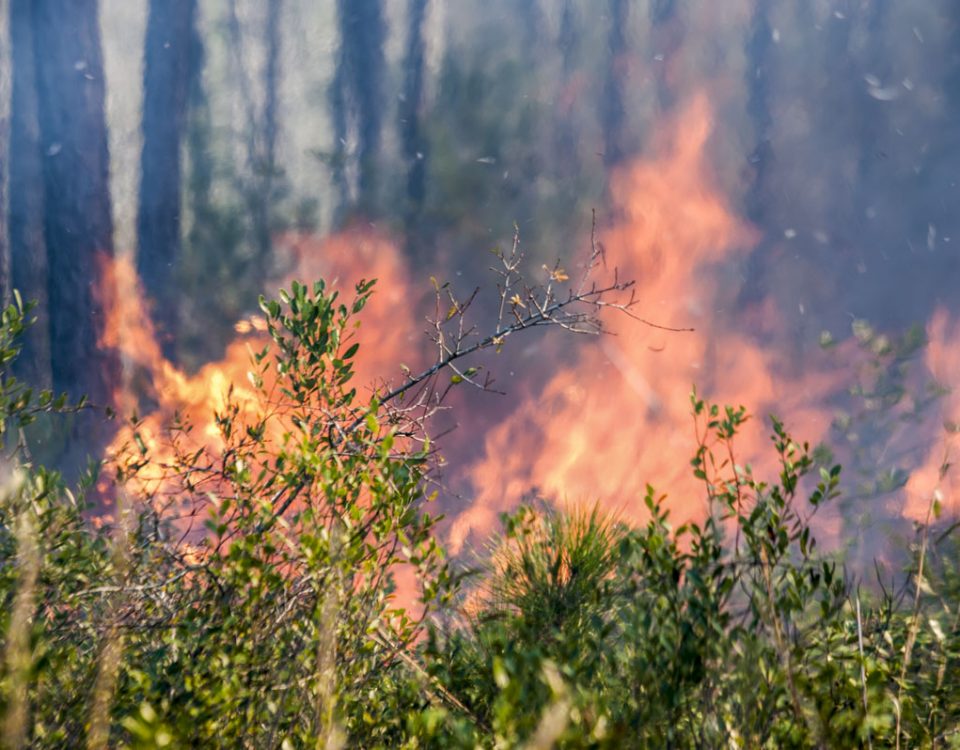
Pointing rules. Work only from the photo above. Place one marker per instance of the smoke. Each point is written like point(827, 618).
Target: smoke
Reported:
point(782, 176)
point(834, 134)
point(618, 417)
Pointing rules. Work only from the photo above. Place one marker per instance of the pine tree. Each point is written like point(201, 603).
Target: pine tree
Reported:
point(166, 74)
point(78, 224)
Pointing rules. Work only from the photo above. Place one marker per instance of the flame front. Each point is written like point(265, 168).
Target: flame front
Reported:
point(933, 480)
point(603, 427)
point(619, 418)
point(386, 339)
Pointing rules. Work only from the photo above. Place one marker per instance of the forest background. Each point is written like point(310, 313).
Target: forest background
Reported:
point(779, 177)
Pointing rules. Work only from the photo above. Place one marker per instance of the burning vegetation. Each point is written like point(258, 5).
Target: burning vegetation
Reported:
point(271, 544)
point(584, 490)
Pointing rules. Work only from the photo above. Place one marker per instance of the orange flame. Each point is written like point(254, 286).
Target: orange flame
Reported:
point(386, 338)
point(932, 479)
point(601, 429)
point(620, 417)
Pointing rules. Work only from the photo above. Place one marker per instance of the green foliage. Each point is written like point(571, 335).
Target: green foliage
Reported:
point(20, 406)
point(736, 632)
point(274, 622)
point(888, 396)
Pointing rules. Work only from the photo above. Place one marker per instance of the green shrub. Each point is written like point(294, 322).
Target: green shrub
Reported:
point(274, 627)
point(276, 624)
point(733, 633)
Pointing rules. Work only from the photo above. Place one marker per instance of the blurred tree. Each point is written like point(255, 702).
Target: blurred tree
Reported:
point(879, 71)
point(165, 84)
point(266, 167)
point(568, 42)
point(233, 178)
point(5, 102)
point(28, 255)
point(613, 107)
point(78, 224)
point(258, 184)
point(214, 273)
point(530, 15)
point(415, 146)
point(759, 44)
point(953, 61)
point(666, 39)
point(357, 100)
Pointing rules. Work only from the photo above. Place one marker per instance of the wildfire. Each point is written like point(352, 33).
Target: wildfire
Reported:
point(386, 338)
point(602, 428)
point(933, 480)
point(619, 418)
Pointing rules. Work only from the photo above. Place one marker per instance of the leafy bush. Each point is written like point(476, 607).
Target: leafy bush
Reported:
point(736, 632)
point(276, 624)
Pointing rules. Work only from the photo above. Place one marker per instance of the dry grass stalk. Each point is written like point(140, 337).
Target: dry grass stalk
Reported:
point(98, 736)
point(329, 735)
point(19, 657)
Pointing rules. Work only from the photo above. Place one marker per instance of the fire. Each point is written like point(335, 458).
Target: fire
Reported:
point(619, 418)
point(933, 479)
point(386, 338)
point(602, 428)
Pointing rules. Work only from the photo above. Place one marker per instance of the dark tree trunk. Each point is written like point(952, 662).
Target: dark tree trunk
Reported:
point(199, 182)
point(165, 83)
point(411, 132)
point(951, 81)
point(77, 216)
point(357, 93)
point(531, 18)
point(28, 254)
point(261, 125)
point(338, 163)
point(666, 38)
point(874, 123)
point(849, 121)
point(613, 106)
point(272, 85)
point(568, 37)
point(565, 139)
point(6, 59)
point(265, 153)
point(759, 75)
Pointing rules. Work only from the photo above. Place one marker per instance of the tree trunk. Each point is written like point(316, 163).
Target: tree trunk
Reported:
point(613, 106)
point(28, 253)
point(565, 157)
point(77, 217)
point(165, 84)
point(271, 82)
point(257, 186)
point(532, 21)
point(265, 157)
point(338, 158)
point(5, 103)
point(411, 131)
point(357, 95)
point(759, 75)
point(666, 34)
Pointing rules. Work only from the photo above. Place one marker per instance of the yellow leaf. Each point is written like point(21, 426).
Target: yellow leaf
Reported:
point(516, 301)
